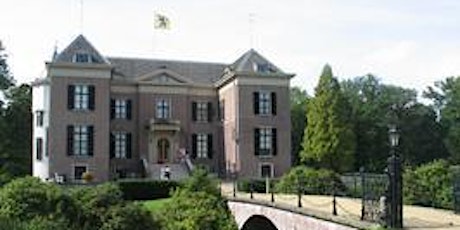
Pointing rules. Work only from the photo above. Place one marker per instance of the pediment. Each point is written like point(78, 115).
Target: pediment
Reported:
point(164, 76)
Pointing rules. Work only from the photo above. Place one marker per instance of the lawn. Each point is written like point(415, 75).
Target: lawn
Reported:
point(155, 205)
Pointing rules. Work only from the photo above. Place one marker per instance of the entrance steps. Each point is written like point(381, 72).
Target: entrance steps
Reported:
point(177, 171)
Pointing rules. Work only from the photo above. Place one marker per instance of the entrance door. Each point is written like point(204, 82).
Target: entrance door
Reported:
point(163, 150)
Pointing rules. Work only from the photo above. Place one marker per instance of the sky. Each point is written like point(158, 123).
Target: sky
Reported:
point(410, 43)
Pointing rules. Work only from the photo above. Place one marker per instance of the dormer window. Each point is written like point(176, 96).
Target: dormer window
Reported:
point(262, 68)
point(82, 58)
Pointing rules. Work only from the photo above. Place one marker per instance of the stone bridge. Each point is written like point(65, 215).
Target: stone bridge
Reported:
point(254, 215)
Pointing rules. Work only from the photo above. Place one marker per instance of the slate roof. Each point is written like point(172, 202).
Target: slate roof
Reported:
point(80, 44)
point(198, 72)
point(249, 61)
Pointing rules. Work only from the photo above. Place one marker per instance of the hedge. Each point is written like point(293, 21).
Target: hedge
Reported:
point(146, 189)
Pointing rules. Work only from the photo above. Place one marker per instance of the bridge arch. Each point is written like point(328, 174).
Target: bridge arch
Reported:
point(257, 222)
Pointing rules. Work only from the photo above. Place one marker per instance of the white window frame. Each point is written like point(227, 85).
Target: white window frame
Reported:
point(163, 109)
point(202, 111)
point(40, 118)
point(202, 145)
point(81, 97)
point(80, 137)
point(265, 141)
point(265, 103)
point(272, 169)
point(120, 148)
point(76, 56)
point(121, 109)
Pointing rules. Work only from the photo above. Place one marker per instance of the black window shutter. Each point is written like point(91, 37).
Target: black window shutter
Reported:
point(112, 108)
point(70, 140)
point(274, 144)
point(128, 145)
point(90, 140)
point(193, 111)
point(128, 109)
point(112, 145)
point(194, 146)
point(70, 97)
point(273, 98)
point(92, 95)
point(210, 113)
point(210, 148)
point(256, 141)
point(256, 102)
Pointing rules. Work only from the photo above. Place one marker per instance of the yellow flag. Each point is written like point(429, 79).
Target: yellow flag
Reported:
point(161, 22)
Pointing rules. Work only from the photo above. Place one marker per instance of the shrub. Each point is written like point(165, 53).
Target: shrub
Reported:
point(429, 185)
point(258, 185)
point(313, 181)
point(129, 216)
point(146, 190)
point(28, 197)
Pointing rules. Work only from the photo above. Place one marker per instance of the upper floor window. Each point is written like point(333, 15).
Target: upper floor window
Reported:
point(264, 103)
point(162, 109)
point(81, 97)
point(120, 109)
point(39, 118)
point(202, 146)
point(222, 110)
point(39, 148)
point(202, 111)
point(120, 145)
point(265, 141)
point(82, 58)
point(262, 68)
point(80, 140)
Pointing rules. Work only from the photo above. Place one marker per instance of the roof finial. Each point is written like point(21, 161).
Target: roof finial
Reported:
point(81, 16)
point(251, 30)
point(55, 53)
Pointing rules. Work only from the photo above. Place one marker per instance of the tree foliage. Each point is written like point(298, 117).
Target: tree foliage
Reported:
point(42, 206)
point(197, 205)
point(299, 101)
point(445, 96)
point(329, 140)
point(374, 106)
point(15, 123)
point(429, 185)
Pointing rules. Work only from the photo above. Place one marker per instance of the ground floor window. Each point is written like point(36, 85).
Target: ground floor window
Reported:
point(78, 172)
point(266, 170)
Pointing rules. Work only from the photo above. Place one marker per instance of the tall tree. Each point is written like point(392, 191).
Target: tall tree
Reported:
point(6, 79)
point(299, 100)
point(445, 96)
point(329, 140)
point(374, 106)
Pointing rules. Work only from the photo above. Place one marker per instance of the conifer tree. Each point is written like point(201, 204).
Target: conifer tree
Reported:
point(329, 140)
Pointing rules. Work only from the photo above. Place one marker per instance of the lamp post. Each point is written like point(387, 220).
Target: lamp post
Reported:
point(395, 175)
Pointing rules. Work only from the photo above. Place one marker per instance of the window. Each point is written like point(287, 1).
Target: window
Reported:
point(82, 58)
point(162, 109)
point(262, 68)
point(202, 146)
point(202, 111)
point(266, 170)
point(78, 172)
point(39, 117)
point(81, 97)
point(39, 148)
point(80, 140)
point(265, 141)
point(120, 146)
point(264, 103)
point(120, 109)
point(222, 110)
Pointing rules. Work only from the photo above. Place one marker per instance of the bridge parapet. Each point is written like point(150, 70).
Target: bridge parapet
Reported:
point(285, 216)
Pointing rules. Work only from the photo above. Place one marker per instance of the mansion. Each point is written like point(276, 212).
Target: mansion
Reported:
point(118, 117)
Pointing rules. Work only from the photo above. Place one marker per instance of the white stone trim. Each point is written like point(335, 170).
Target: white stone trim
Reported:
point(272, 167)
